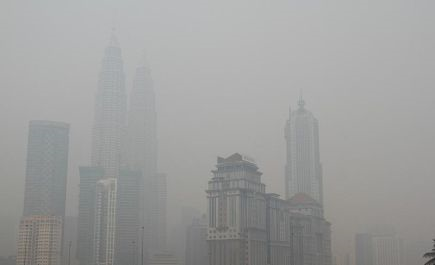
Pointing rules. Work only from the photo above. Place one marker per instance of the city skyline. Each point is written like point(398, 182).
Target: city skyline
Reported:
point(224, 76)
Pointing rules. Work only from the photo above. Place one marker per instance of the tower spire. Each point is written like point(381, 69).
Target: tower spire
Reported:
point(301, 101)
point(113, 39)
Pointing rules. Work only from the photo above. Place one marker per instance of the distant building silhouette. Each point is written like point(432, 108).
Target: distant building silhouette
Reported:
point(128, 217)
point(196, 242)
point(141, 153)
point(89, 176)
point(381, 246)
point(110, 118)
point(363, 249)
point(46, 169)
point(41, 227)
point(109, 133)
point(304, 184)
point(303, 171)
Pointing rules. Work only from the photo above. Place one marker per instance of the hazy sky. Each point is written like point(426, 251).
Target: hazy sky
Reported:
point(225, 73)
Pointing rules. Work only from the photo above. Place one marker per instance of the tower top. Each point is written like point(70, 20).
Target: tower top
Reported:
point(301, 101)
point(113, 42)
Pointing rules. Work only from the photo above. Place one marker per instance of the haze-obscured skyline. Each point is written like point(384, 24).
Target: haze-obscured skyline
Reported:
point(225, 73)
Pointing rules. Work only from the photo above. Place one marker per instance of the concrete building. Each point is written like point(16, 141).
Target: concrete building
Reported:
point(105, 222)
point(40, 240)
point(128, 217)
point(89, 176)
point(110, 119)
point(363, 249)
point(141, 153)
point(381, 246)
point(316, 231)
point(109, 132)
point(196, 242)
point(247, 225)
point(41, 227)
point(303, 171)
point(237, 229)
point(46, 168)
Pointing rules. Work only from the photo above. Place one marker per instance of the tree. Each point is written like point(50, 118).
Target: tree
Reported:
point(430, 255)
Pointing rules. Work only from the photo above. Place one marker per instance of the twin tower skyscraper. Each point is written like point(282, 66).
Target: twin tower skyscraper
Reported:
point(122, 201)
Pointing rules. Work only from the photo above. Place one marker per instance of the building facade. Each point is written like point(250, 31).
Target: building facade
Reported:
point(363, 249)
point(89, 176)
point(105, 222)
point(248, 226)
point(110, 119)
point(141, 153)
point(46, 169)
point(40, 240)
point(303, 170)
point(196, 242)
point(41, 227)
point(237, 232)
point(316, 231)
point(128, 217)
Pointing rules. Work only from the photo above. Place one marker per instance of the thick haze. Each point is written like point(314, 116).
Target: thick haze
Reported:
point(225, 73)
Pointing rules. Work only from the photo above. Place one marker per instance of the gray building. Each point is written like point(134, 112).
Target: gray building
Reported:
point(89, 177)
point(47, 167)
point(304, 185)
point(303, 171)
point(316, 231)
point(128, 217)
point(41, 227)
point(196, 242)
point(109, 132)
point(141, 154)
point(381, 246)
point(247, 225)
point(110, 119)
point(363, 249)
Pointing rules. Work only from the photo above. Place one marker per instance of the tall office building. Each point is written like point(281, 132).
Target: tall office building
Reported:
point(304, 186)
point(142, 132)
point(142, 155)
point(40, 240)
point(110, 112)
point(89, 177)
point(303, 171)
point(196, 242)
point(128, 217)
point(41, 227)
point(46, 170)
point(109, 131)
point(363, 249)
point(105, 222)
point(379, 247)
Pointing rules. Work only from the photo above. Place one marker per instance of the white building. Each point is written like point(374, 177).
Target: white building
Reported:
point(40, 240)
point(303, 171)
point(105, 222)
